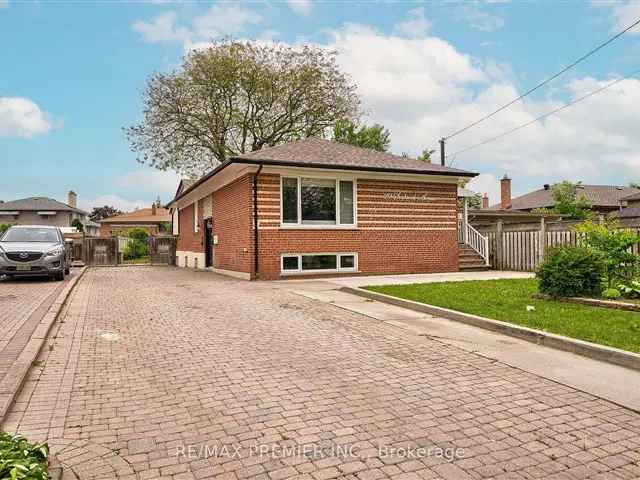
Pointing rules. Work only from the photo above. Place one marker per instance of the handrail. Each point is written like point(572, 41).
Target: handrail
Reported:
point(478, 242)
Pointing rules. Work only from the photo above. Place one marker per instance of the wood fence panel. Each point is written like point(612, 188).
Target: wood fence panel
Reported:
point(163, 250)
point(100, 251)
point(522, 250)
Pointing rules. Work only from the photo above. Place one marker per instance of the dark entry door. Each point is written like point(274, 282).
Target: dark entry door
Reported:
point(208, 243)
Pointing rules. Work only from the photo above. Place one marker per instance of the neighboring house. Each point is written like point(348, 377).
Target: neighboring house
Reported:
point(604, 199)
point(46, 211)
point(319, 207)
point(629, 212)
point(154, 220)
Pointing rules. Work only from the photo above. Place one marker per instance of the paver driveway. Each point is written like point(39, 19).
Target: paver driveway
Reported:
point(168, 373)
point(23, 302)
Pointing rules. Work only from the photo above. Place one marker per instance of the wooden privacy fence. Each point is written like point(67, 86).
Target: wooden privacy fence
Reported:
point(522, 250)
point(109, 250)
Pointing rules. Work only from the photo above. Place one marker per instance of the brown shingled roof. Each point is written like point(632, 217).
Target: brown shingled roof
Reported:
point(632, 197)
point(597, 195)
point(142, 215)
point(318, 152)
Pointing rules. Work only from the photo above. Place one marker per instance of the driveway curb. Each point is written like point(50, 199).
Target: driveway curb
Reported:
point(594, 351)
point(12, 382)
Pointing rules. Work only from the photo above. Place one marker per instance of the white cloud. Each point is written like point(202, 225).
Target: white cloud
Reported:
point(481, 20)
point(416, 24)
point(116, 201)
point(151, 181)
point(217, 21)
point(21, 117)
point(623, 14)
point(4, 4)
point(162, 29)
point(422, 89)
point(301, 7)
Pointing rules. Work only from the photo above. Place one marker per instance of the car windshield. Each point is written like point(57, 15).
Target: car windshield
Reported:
point(30, 235)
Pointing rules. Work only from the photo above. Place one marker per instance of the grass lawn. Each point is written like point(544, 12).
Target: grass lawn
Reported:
point(506, 300)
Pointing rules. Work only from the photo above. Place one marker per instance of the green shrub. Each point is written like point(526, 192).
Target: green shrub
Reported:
point(571, 272)
point(21, 460)
point(613, 243)
point(135, 249)
point(611, 294)
point(139, 234)
point(3, 228)
point(630, 289)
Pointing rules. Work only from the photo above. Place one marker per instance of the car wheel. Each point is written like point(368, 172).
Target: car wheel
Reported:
point(67, 270)
point(59, 276)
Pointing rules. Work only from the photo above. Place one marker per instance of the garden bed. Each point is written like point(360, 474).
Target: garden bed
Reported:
point(507, 301)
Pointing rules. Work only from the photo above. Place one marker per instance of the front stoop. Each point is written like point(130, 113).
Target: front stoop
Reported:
point(470, 260)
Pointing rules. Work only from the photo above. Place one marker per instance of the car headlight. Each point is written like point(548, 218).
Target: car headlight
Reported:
point(55, 252)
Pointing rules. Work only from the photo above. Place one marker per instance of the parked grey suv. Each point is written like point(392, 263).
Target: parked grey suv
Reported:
point(34, 250)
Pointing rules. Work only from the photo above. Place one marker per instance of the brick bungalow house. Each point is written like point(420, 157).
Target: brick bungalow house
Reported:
point(153, 220)
point(319, 207)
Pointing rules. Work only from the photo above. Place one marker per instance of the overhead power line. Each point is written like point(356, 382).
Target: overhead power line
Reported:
point(543, 83)
point(548, 114)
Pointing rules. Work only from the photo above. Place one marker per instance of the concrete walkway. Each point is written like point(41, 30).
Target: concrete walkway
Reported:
point(598, 378)
point(361, 281)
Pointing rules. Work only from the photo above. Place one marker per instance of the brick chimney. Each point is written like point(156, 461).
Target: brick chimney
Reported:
point(154, 208)
point(485, 201)
point(505, 192)
point(72, 199)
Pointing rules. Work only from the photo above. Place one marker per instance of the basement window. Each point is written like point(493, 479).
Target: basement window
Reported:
point(319, 263)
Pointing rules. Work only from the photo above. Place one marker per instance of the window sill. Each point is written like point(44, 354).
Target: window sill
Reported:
point(318, 227)
point(319, 272)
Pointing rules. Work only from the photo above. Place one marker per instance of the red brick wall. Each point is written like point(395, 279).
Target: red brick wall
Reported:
point(403, 227)
point(188, 240)
point(232, 223)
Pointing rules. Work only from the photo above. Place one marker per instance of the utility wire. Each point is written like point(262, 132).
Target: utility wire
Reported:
point(542, 117)
point(543, 83)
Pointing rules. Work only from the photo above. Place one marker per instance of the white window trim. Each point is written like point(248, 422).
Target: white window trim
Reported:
point(196, 227)
point(337, 226)
point(299, 270)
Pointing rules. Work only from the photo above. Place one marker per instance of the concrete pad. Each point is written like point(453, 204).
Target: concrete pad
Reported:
point(602, 379)
point(426, 278)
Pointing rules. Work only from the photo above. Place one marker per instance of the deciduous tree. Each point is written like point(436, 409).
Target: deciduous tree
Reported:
point(375, 137)
point(236, 97)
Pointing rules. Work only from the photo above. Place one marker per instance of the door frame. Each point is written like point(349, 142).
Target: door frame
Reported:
point(208, 242)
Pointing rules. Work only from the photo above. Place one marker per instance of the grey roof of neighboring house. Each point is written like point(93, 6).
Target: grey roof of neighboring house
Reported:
point(38, 203)
point(629, 212)
point(321, 153)
point(633, 196)
point(597, 195)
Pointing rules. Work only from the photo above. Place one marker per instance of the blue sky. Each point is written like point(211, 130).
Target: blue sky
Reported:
point(72, 74)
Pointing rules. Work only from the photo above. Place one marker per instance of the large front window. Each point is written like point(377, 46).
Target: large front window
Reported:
point(317, 201)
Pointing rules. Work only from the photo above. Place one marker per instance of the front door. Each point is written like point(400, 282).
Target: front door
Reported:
point(208, 242)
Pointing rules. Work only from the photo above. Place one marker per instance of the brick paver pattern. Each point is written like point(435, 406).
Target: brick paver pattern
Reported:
point(23, 303)
point(167, 373)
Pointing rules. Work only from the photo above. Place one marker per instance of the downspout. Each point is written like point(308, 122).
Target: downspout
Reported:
point(256, 257)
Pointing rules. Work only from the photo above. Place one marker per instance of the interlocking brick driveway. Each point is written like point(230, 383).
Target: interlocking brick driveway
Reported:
point(23, 302)
point(164, 373)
